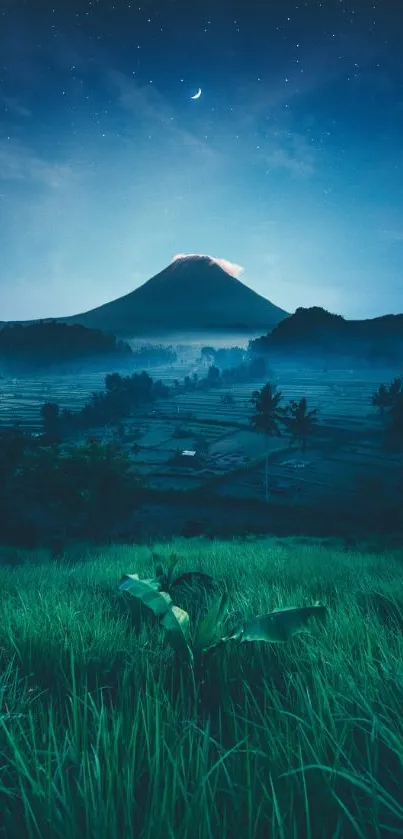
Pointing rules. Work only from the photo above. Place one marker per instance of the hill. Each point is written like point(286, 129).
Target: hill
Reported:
point(193, 294)
point(51, 345)
point(317, 331)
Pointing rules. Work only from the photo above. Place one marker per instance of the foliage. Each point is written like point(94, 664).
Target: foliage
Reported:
point(381, 399)
point(50, 413)
point(213, 376)
point(122, 395)
point(269, 413)
point(389, 399)
point(226, 371)
point(275, 627)
point(168, 579)
point(299, 421)
point(395, 422)
point(154, 354)
point(224, 357)
point(83, 490)
point(280, 624)
point(49, 343)
point(155, 593)
point(188, 384)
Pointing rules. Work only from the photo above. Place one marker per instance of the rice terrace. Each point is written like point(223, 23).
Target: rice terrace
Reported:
point(345, 457)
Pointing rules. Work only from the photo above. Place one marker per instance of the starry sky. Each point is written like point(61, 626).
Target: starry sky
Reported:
point(289, 164)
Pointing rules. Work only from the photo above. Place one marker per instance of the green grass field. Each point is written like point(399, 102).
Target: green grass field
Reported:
point(102, 734)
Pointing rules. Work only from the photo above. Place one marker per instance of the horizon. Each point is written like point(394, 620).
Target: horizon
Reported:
point(232, 270)
point(288, 165)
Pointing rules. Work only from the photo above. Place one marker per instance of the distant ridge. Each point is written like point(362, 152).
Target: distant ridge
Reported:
point(195, 293)
point(317, 331)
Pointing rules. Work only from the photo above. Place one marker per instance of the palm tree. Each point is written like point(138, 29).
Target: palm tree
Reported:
point(395, 425)
point(299, 421)
point(268, 415)
point(381, 399)
point(268, 411)
point(386, 395)
point(50, 414)
point(395, 388)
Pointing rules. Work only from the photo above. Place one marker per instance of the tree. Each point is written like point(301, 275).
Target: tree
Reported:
point(395, 389)
point(81, 490)
point(208, 354)
point(386, 395)
point(160, 390)
point(113, 381)
point(213, 375)
point(395, 422)
point(381, 399)
point(268, 411)
point(51, 419)
point(299, 421)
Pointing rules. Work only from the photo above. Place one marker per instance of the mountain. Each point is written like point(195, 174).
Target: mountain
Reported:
point(193, 294)
point(315, 331)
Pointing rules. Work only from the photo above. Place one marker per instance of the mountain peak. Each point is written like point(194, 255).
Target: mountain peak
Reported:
point(195, 293)
point(230, 268)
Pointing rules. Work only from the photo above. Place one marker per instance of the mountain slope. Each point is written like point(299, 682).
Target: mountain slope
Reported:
point(193, 294)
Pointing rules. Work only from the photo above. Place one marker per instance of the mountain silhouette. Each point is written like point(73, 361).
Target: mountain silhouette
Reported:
point(316, 331)
point(193, 294)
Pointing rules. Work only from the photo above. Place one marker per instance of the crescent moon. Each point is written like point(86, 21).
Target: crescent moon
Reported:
point(197, 95)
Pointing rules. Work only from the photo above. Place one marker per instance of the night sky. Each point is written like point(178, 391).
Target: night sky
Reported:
point(290, 163)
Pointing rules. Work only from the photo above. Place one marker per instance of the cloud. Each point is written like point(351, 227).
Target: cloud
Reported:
point(20, 163)
point(230, 267)
point(290, 151)
point(14, 105)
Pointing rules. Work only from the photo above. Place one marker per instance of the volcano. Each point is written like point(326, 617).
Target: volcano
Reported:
point(194, 294)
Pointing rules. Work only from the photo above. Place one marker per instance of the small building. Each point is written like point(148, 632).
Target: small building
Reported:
point(187, 453)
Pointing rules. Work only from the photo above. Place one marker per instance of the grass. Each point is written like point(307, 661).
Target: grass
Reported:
point(101, 734)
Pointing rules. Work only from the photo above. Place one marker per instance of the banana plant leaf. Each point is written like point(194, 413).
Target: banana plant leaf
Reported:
point(171, 565)
point(208, 629)
point(177, 630)
point(279, 625)
point(147, 592)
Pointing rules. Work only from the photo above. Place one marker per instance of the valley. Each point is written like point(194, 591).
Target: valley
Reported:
point(344, 463)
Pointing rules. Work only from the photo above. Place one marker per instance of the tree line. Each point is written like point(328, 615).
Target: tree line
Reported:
point(47, 344)
point(122, 394)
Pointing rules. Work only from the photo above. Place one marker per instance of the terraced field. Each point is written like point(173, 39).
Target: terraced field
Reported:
point(21, 399)
point(343, 397)
point(238, 462)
